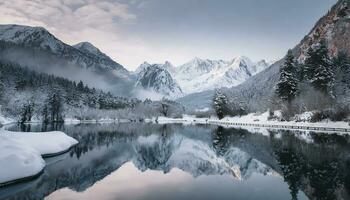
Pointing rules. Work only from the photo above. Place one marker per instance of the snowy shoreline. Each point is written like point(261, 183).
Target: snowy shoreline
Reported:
point(22, 153)
point(261, 120)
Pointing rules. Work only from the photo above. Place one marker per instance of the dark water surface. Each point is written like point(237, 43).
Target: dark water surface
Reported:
point(149, 161)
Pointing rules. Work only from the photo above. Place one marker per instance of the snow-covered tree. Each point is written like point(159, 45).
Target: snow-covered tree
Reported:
point(319, 69)
point(288, 82)
point(220, 104)
point(45, 114)
point(2, 90)
point(27, 112)
point(55, 107)
point(342, 72)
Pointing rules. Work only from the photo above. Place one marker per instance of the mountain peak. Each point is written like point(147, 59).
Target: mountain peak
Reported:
point(168, 63)
point(242, 59)
point(16, 28)
point(142, 67)
point(157, 78)
point(145, 63)
point(37, 37)
point(87, 47)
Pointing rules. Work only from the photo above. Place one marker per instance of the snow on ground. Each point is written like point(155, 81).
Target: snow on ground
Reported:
point(18, 160)
point(5, 120)
point(43, 142)
point(262, 120)
point(20, 152)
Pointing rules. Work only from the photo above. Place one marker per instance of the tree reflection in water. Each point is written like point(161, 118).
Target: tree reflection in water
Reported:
point(317, 166)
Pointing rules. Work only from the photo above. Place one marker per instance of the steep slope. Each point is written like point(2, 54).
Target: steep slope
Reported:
point(99, 56)
point(39, 50)
point(157, 79)
point(334, 28)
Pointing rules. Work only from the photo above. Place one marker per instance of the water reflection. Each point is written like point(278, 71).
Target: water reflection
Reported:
point(248, 164)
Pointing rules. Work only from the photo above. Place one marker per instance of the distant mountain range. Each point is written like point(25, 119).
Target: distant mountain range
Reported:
point(38, 49)
point(197, 75)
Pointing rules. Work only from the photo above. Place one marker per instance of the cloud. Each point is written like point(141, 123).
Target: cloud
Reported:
point(73, 21)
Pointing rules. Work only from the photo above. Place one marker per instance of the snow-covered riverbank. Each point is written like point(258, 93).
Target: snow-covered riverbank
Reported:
point(262, 120)
point(21, 153)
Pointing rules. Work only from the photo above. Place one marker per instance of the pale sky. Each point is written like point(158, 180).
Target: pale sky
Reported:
point(134, 31)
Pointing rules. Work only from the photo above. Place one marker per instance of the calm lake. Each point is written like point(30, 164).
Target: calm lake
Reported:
point(150, 161)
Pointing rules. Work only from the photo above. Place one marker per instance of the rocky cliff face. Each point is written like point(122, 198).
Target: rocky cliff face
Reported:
point(334, 28)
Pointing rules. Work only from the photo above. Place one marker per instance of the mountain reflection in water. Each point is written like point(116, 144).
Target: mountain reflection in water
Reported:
point(149, 161)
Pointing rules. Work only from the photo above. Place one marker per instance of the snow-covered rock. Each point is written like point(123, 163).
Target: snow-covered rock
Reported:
point(20, 152)
point(18, 160)
point(43, 142)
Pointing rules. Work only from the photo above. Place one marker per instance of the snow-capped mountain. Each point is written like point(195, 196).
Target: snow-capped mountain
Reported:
point(156, 78)
point(38, 49)
point(200, 75)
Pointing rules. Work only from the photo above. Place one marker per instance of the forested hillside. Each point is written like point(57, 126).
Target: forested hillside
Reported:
point(312, 77)
point(26, 94)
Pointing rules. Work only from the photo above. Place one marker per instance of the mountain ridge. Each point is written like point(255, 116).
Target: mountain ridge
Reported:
point(199, 75)
point(38, 49)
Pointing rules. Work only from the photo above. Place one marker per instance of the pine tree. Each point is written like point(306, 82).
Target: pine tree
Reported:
point(2, 89)
point(342, 67)
point(55, 108)
point(27, 112)
point(220, 104)
point(288, 82)
point(45, 114)
point(20, 82)
point(319, 70)
point(80, 86)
